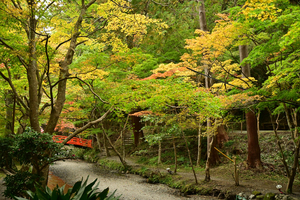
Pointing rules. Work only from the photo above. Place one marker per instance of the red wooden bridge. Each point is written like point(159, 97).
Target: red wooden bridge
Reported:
point(74, 141)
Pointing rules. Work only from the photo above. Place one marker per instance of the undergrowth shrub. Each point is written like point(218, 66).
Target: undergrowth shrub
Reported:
point(5, 153)
point(17, 184)
point(81, 190)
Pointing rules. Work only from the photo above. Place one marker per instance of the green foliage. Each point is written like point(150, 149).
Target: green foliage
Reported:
point(229, 143)
point(79, 152)
point(17, 184)
point(5, 153)
point(34, 148)
point(143, 70)
point(112, 165)
point(81, 190)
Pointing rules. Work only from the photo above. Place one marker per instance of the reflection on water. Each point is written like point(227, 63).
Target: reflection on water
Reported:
point(53, 181)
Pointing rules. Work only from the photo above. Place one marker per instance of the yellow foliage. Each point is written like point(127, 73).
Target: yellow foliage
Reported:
point(260, 9)
point(165, 67)
point(239, 82)
point(225, 67)
point(88, 72)
point(238, 100)
point(121, 22)
point(209, 46)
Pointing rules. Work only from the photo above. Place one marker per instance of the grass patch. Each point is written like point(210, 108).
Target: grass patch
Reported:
point(111, 165)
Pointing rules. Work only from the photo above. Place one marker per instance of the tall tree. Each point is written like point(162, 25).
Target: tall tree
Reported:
point(41, 37)
point(253, 159)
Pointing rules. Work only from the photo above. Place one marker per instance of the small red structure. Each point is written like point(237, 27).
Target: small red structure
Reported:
point(75, 141)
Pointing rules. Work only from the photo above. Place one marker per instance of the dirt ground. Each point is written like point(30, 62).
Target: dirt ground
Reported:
point(264, 181)
point(222, 179)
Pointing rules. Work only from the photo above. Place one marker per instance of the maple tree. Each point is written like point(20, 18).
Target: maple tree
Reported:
point(66, 63)
point(47, 34)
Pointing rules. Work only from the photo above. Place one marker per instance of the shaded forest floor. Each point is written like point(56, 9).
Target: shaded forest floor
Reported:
point(222, 183)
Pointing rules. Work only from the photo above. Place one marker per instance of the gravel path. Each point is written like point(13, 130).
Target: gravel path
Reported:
point(131, 187)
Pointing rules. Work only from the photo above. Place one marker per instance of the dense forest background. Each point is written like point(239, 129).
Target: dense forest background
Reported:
point(153, 69)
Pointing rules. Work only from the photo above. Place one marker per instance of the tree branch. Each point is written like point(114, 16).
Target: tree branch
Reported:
point(91, 89)
point(87, 126)
point(8, 79)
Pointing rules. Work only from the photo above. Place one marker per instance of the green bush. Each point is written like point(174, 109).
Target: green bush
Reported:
point(5, 153)
point(80, 191)
point(17, 184)
point(34, 149)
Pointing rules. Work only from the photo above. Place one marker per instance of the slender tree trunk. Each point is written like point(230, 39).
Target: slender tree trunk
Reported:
point(207, 166)
point(98, 141)
point(175, 155)
point(289, 187)
point(190, 158)
point(115, 150)
point(159, 152)
point(9, 102)
point(258, 117)
point(211, 143)
point(208, 81)
point(199, 145)
point(105, 145)
point(283, 158)
point(123, 138)
point(293, 125)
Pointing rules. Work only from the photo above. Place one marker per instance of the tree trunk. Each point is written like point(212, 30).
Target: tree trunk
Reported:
point(57, 106)
point(137, 129)
point(123, 138)
point(258, 130)
point(291, 178)
point(214, 158)
point(207, 166)
point(9, 104)
point(175, 155)
point(202, 16)
point(208, 81)
point(105, 145)
point(211, 143)
point(115, 150)
point(190, 158)
point(222, 135)
point(199, 145)
point(293, 125)
point(32, 72)
point(159, 152)
point(98, 141)
point(253, 159)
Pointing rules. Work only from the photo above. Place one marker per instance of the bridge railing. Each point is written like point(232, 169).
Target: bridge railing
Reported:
point(74, 141)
